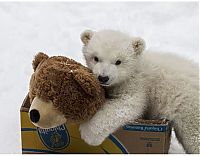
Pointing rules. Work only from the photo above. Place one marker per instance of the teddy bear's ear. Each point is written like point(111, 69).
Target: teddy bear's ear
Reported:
point(38, 59)
point(138, 45)
point(87, 81)
point(86, 36)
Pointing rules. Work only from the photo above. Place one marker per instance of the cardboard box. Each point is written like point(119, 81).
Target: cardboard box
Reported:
point(143, 136)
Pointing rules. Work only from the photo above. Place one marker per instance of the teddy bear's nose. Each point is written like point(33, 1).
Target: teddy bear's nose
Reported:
point(34, 115)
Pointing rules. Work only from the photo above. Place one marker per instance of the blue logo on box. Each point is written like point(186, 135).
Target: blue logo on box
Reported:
point(54, 138)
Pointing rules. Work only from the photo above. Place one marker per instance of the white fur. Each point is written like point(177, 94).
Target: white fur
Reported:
point(153, 84)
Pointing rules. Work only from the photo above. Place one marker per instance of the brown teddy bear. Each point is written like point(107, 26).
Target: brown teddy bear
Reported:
point(62, 90)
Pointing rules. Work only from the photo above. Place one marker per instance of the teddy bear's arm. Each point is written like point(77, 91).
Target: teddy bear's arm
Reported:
point(114, 113)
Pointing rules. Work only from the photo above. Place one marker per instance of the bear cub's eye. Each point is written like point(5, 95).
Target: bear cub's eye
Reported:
point(118, 62)
point(96, 59)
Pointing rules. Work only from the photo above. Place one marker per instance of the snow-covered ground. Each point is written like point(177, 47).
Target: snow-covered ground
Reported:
point(55, 27)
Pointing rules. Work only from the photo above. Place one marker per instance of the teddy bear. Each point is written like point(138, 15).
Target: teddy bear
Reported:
point(62, 90)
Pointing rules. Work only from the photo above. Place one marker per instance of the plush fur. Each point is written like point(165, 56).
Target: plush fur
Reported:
point(151, 84)
point(62, 90)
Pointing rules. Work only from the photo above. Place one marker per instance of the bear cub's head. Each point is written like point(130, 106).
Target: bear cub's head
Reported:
point(111, 55)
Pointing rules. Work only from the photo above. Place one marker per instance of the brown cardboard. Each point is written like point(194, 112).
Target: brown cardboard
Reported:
point(145, 141)
point(142, 136)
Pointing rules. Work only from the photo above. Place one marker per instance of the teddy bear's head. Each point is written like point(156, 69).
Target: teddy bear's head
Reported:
point(62, 90)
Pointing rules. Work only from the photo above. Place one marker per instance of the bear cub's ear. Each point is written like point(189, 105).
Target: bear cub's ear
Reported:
point(138, 45)
point(86, 36)
point(38, 59)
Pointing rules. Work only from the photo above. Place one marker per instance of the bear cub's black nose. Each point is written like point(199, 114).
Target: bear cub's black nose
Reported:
point(34, 115)
point(103, 79)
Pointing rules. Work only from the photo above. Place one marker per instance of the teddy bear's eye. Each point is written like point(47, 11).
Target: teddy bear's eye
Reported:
point(96, 59)
point(118, 62)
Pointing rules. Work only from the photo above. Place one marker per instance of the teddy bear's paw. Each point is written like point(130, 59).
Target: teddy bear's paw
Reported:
point(90, 136)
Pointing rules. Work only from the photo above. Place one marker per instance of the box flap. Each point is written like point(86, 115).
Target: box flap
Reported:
point(26, 104)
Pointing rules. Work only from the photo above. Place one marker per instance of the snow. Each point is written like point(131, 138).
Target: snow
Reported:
point(55, 28)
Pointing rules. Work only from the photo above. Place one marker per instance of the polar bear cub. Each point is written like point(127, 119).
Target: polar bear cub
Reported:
point(151, 84)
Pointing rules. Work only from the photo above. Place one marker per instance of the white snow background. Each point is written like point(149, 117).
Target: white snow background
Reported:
point(55, 27)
